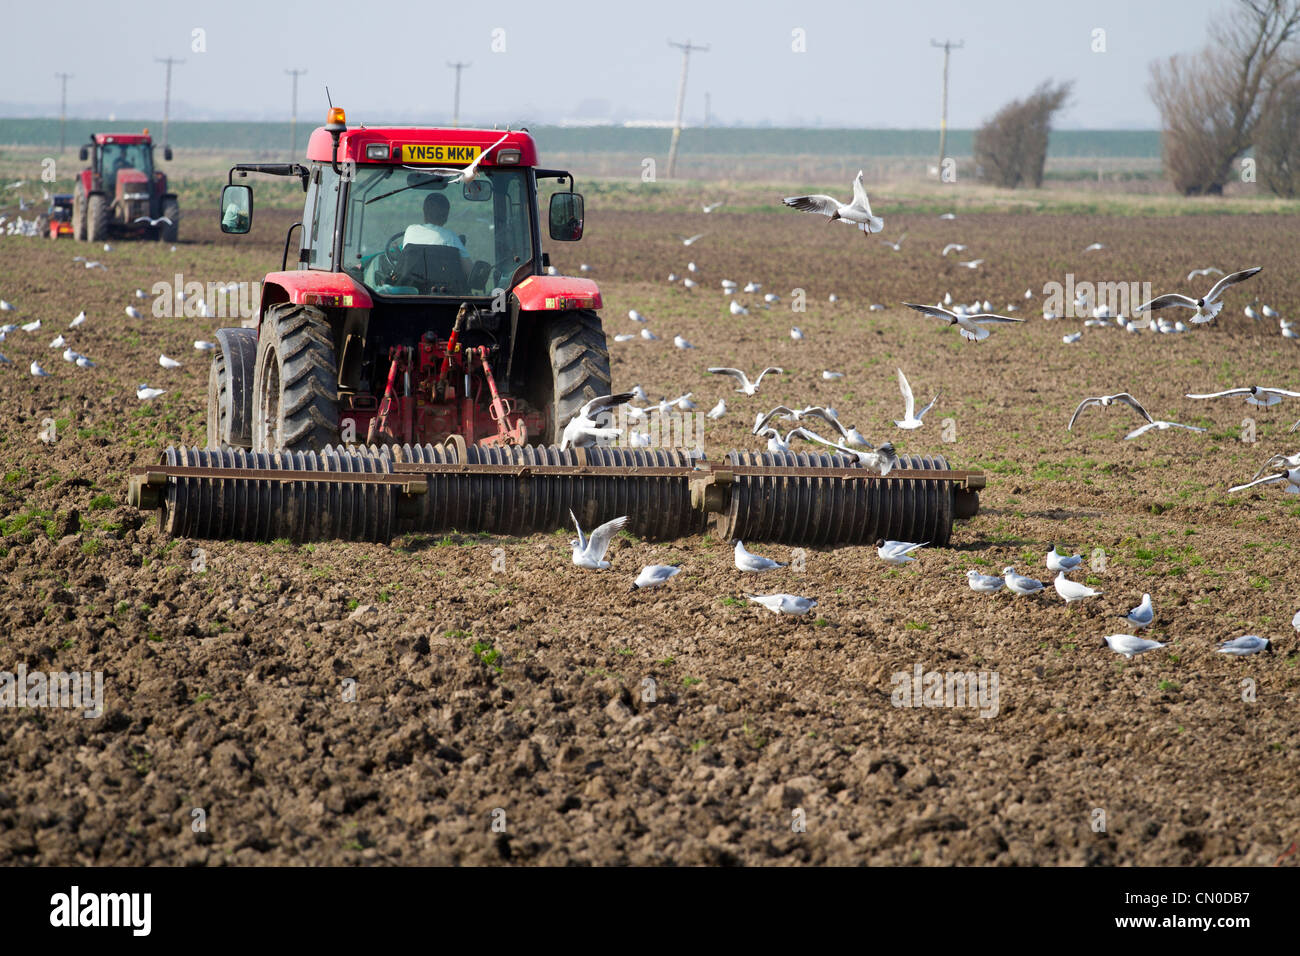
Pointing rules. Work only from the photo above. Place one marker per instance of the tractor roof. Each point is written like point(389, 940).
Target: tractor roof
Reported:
point(101, 138)
point(428, 145)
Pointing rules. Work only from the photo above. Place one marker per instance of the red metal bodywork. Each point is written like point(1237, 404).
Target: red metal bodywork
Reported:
point(313, 287)
point(353, 143)
point(556, 293)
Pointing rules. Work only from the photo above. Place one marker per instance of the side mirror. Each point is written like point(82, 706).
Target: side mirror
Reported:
point(566, 217)
point(84, 154)
point(167, 153)
point(236, 209)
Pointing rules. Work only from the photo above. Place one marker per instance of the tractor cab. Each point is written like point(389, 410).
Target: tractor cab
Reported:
point(420, 266)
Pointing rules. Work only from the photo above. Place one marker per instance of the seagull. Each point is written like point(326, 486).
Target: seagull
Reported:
point(737, 309)
point(649, 336)
point(1059, 562)
point(653, 575)
point(624, 337)
point(39, 372)
point(636, 439)
point(753, 288)
point(31, 326)
point(1105, 401)
point(583, 430)
point(882, 459)
point(690, 267)
point(857, 213)
point(153, 222)
point(689, 283)
point(1071, 338)
point(1128, 645)
point(681, 343)
point(1094, 247)
point(830, 376)
point(771, 298)
point(636, 316)
point(795, 415)
point(1290, 461)
point(144, 393)
point(70, 356)
point(911, 417)
point(984, 583)
point(1245, 645)
point(692, 240)
point(1162, 426)
point(745, 561)
point(58, 342)
point(467, 174)
point(1072, 591)
point(84, 362)
point(949, 215)
point(784, 603)
point(898, 552)
point(1203, 272)
point(133, 312)
point(590, 552)
point(1143, 614)
point(744, 384)
point(896, 246)
point(639, 394)
point(709, 207)
point(166, 362)
point(718, 410)
point(796, 334)
point(832, 298)
point(95, 264)
point(953, 247)
point(7, 306)
point(1205, 308)
point(1249, 311)
point(966, 323)
point(1255, 395)
point(81, 317)
point(875, 307)
point(1019, 583)
point(775, 443)
point(684, 403)
point(972, 264)
point(204, 346)
point(1291, 476)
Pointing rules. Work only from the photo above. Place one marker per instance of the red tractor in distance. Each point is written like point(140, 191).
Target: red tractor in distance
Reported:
point(419, 306)
point(58, 218)
point(120, 193)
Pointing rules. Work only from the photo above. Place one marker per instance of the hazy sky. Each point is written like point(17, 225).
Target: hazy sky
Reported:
point(867, 63)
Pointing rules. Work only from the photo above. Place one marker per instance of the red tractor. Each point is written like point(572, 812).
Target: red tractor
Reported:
point(419, 307)
point(58, 218)
point(120, 193)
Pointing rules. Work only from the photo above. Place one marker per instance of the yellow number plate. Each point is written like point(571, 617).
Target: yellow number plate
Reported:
point(440, 154)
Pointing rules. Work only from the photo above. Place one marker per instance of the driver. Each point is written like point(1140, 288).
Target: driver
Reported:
point(434, 232)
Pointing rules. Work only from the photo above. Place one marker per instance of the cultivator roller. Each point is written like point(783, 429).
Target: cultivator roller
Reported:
point(354, 493)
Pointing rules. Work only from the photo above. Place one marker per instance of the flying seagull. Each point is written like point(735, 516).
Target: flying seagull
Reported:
point(590, 552)
point(1206, 308)
point(856, 213)
point(583, 429)
point(1162, 426)
point(745, 385)
point(153, 222)
point(692, 240)
point(970, 326)
point(1105, 401)
point(911, 417)
point(1255, 395)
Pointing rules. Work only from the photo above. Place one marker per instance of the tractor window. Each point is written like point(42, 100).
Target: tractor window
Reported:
point(115, 157)
point(473, 237)
point(326, 186)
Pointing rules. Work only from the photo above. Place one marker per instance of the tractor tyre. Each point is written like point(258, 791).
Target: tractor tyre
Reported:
point(230, 389)
point(579, 368)
point(97, 218)
point(171, 210)
point(79, 216)
point(295, 381)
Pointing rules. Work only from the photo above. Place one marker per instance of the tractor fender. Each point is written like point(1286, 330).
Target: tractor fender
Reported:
point(333, 290)
point(239, 348)
point(557, 294)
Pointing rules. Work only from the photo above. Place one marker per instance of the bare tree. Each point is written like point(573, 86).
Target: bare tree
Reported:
point(1011, 148)
point(1211, 103)
point(1277, 142)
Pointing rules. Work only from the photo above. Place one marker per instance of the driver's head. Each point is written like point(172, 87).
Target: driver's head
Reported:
point(436, 209)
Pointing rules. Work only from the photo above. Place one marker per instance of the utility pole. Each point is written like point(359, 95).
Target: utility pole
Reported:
point(167, 97)
point(686, 49)
point(293, 116)
point(947, 46)
point(63, 106)
point(455, 113)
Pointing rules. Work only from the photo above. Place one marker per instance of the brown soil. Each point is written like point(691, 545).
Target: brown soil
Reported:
point(522, 691)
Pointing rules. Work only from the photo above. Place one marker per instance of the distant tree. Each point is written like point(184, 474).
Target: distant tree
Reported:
point(1277, 142)
point(1211, 103)
point(1011, 148)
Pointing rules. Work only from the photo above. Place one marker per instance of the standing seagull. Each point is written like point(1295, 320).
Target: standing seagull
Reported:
point(911, 417)
point(1248, 644)
point(753, 562)
point(745, 385)
point(1060, 562)
point(1019, 583)
point(1143, 614)
point(590, 552)
point(857, 213)
point(1105, 401)
point(784, 603)
point(898, 552)
point(1128, 645)
point(653, 575)
point(1072, 591)
point(1206, 308)
point(967, 324)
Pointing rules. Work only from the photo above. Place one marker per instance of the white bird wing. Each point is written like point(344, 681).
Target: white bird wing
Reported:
point(860, 196)
point(921, 414)
point(779, 410)
point(813, 436)
point(818, 411)
point(1281, 391)
point(1281, 476)
point(582, 538)
point(1140, 430)
point(603, 402)
point(1228, 280)
point(1082, 405)
point(771, 368)
point(1133, 403)
point(735, 373)
point(985, 318)
point(825, 205)
point(601, 537)
point(1231, 391)
point(1164, 301)
point(935, 311)
point(909, 402)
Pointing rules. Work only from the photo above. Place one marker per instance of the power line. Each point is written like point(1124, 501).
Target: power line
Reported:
point(455, 113)
point(167, 96)
point(947, 46)
point(686, 49)
point(293, 116)
point(63, 106)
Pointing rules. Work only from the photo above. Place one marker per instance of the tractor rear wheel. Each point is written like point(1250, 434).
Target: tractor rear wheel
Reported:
point(579, 368)
point(230, 389)
point(171, 210)
point(295, 381)
point(97, 218)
